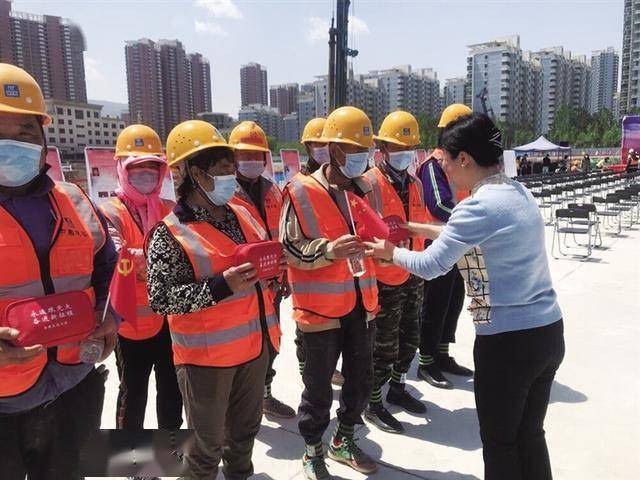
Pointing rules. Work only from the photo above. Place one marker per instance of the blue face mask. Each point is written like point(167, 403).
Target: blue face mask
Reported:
point(19, 162)
point(355, 164)
point(401, 160)
point(224, 186)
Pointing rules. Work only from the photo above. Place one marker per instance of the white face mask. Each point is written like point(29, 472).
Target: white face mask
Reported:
point(355, 164)
point(19, 162)
point(224, 186)
point(144, 180)
point(251, 168)
point(321, 154)
point(401, 160)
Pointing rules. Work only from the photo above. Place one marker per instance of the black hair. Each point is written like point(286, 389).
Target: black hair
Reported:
point(476, 135)
point(204, 160)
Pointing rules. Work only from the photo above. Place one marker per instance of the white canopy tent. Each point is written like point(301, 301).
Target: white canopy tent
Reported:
point(541, 145)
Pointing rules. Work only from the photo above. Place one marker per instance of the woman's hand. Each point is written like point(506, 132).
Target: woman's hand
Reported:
point(427, 230)
point(382, 249)
point(241, 278)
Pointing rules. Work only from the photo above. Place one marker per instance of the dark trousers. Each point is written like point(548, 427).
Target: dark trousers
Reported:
point(443, 301)
point(354, 339)
point(271, 372)
point(135, 360)
point(224, 410)
point(46, 442)
point(397, 329)
point(513, 376)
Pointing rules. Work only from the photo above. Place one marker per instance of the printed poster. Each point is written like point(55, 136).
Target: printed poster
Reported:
point(290, 163)
point(377, 157)
point(630, 136)
point(53, 160)
point(102, 179)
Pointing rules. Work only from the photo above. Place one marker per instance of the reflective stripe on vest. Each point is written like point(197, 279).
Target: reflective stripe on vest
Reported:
point(148, 323)
point(228, 333)
point(272, 207)
point(328, 292)
point(78, 235)
point(385, 200)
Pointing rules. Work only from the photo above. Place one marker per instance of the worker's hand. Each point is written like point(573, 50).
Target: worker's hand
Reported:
point(107, 331)
point(11, 355)
point(404, 243)
point(241, 278)
point(347, 246)
point(382, 249)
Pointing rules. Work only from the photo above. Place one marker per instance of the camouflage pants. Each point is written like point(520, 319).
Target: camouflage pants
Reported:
point(397, 328)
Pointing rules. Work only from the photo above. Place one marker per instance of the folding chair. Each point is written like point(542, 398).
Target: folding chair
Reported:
point(565, 224)
point(593, 219)
point(607, 214)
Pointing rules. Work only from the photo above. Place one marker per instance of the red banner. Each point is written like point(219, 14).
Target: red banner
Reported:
point(53, 160)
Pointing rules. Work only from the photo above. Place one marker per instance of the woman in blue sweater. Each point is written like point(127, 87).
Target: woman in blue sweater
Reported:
point(519, 343)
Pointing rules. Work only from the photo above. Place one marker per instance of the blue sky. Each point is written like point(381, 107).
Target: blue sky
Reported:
point(288, 36)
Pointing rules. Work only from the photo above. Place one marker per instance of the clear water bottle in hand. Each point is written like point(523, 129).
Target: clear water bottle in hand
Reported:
point(356, 265)
point(91, 350)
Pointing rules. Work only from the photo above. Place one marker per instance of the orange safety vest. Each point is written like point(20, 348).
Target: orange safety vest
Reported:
point(230, 332)
point(272, 206)
point(148, 323)
point(328, 292)
point(386, 201)
point(78, 235)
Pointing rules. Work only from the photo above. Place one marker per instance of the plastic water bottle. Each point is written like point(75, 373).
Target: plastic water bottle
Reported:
point(91, 350)
point(356, 265)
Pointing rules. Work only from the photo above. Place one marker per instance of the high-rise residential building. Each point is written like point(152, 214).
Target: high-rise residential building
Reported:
point(414, 90)
point(630, 78)
point(50, 48)
point(502, 78)
point(604, 79)
point(580, 82)
point(253, 84)
point(76, 125)
point(562, 80)
point(284, 97)
point(363, 92)
point(222, 121)
point(306, 108)
point(454, 89)
point(269, 118)
point(166, 86)
point(291, 128)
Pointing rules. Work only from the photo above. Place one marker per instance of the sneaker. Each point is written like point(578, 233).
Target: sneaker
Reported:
point(403, 399)
point(346, 451)
point(434, 377)
point(448, 364)
point(274, 407)
point(337, 379)
point(379, 416)
point(314, 468)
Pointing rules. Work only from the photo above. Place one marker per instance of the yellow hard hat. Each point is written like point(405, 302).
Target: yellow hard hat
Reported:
point(313, 130)
point(20, 93)
point(190, 137)
point(348, 125)
point(400, 128)
point(138, 140)
point(249, 135)
point(453, 112)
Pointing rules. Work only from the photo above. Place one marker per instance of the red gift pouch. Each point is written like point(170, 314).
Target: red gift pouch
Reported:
point(396, 232)
point(51, 320)
point(264, 256)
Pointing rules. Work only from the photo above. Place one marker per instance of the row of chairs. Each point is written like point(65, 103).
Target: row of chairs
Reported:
point(582, 205)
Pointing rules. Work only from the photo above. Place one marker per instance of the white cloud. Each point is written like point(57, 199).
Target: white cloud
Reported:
point(318, 28)
point(220, 8)
point(91, 69)
point(358, 26)
point(211, 28)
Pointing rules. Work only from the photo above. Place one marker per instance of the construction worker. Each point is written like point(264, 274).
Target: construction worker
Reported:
point(54, 241)
point(221, 317)
point(443, 296)
point(263, 199)
point(144, 344)
point(396, 192)
point(334, 291)
point(317, 151)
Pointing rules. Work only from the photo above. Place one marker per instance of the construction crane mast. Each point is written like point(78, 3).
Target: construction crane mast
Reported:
point(338, 52)
point(483, 96)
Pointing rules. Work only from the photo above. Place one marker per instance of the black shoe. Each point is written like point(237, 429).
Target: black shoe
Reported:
point(381, 418)
point(434, 377)
point(448, 364)
point(402, 398)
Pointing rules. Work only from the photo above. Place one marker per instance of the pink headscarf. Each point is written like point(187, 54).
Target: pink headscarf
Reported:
point(148, 207)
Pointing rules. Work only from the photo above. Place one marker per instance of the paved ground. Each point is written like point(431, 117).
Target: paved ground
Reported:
point(593, 424)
